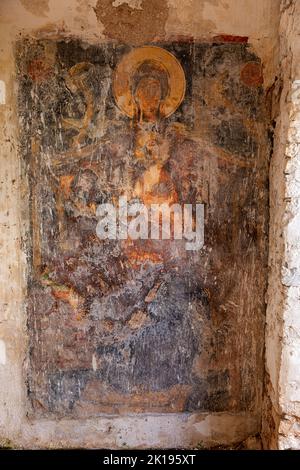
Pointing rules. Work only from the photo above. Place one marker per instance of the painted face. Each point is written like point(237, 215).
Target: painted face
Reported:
point(148, 97)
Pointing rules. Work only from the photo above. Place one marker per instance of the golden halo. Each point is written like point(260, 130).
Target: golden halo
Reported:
point(130, 63)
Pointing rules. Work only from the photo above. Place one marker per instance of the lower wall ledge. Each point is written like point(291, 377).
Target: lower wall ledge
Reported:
point(196, 430)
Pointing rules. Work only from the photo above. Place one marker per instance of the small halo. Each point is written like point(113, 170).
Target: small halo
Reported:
point(129, 64)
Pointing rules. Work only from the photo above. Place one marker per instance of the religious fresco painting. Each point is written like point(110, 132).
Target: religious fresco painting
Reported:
point(144, 325)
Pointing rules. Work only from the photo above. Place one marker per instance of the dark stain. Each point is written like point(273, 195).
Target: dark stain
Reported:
point(36, 7)
point(233, 137)
point(130, 25)
point(210, 392)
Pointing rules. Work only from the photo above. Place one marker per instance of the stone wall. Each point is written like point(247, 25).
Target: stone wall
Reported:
point(281, 413)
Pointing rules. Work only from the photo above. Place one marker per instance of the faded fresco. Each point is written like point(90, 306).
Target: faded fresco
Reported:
point(144, 325)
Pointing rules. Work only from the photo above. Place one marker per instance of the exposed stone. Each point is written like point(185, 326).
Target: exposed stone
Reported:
point(137, 319)
point(36, 7)
point(283, 326)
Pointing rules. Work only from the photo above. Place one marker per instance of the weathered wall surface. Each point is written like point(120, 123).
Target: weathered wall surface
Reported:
point(281, 421)
point(228, 22)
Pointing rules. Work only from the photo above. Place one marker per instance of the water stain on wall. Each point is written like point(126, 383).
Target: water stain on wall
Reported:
point(133, 25)
point(36, 7)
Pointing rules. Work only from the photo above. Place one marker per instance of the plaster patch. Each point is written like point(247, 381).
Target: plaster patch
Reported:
point(2, 352)
point(2, 92)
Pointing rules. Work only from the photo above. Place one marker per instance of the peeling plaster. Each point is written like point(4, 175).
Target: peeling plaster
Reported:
point(130, 24)
point(36, 7)
point(2, 353)
point(2, 92)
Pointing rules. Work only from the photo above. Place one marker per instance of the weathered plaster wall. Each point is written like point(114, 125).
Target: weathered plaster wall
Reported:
point(98, 21)
point(281, 423)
